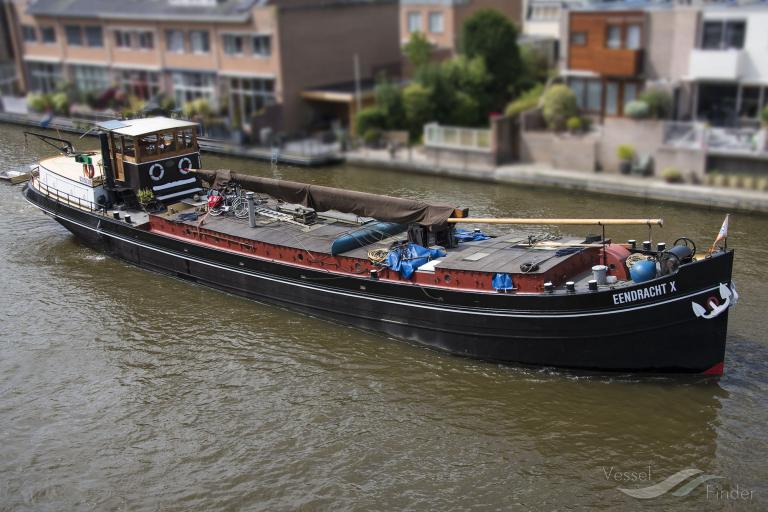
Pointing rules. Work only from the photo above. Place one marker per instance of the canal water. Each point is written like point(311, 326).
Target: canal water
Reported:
point(124, 390)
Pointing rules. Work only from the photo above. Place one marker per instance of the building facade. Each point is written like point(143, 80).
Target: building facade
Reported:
point(710, 58)
point(242, 56)
point(8, 63)
point(441, 21)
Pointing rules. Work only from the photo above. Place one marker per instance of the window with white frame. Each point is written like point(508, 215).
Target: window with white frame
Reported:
point(248, 96)
point(48, 35)
point(140, 83)
point(174, 40)
point(199, 41)
point(94, 37)
point(436, 25)
point(633, 37)
point(122, 39)
point(233, 44)
point(261, 45)
point(28, 33)
point(613, 36)
point(414, 22)
point(146, 40)
point(74, 35)
point(43, 77)
point(90, 78)
point(192, 86)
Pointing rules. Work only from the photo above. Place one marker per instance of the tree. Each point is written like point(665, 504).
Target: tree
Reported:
point(417, 101)
point(389, 99)
point(418, 50)
point(559, 105)
point(492, 36)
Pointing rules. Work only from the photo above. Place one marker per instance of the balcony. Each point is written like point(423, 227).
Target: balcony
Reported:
point(607, 62)
point(716, 64)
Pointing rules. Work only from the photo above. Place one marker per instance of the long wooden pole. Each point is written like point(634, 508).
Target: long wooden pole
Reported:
point(577, 222)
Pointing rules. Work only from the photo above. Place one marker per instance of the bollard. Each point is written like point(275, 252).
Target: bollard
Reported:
point(251, 209)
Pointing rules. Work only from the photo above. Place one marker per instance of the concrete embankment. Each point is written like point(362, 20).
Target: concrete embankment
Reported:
point(613, 184)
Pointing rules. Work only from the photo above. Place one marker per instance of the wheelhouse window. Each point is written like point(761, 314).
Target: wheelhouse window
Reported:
point(148, 145)
point(579, 38)
point(186, 138)
point(174, 40)
point(723, 34)
point(261, 45)
point(74, 35)
point(233, 44)
point(167, 143)
point(613, 36)
point(29, 34)
point(94, 37)
point(129, 146)
point(414, 22)
point(48, 35)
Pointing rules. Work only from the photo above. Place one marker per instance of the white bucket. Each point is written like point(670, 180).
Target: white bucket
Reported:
point(600, 274)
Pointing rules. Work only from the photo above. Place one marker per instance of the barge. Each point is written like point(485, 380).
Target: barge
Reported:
point(398, 267)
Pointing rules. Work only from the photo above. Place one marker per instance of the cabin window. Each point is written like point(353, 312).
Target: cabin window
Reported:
point(129, 148)
point(117, 144)
point(186, 138)
point(148, 144)
point(167, 142)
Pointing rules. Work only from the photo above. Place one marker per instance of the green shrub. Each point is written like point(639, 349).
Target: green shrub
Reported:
point(559, 104)
point(672, 175)
point(38, 102)
point(60, 103)
point(419, 108)
point(764, 116)
point(526, 101)
point(371, 118)
point(637, 109)
point(199, 107)
point(372, 136)
point(625, 152)
point(573, 124)
point(659, 102)
point(145, 196)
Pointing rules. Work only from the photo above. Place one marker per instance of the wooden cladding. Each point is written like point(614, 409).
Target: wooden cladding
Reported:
point(607, 43)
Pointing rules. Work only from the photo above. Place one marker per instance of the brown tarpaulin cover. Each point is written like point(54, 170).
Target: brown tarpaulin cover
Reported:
point(320, 198)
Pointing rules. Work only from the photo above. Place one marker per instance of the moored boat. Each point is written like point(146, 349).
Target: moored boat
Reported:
point(395, 266)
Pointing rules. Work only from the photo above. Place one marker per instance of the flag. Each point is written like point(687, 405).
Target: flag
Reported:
point(723, 234)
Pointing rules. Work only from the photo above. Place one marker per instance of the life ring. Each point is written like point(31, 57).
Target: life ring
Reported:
point(184, 169)
point(152, 172)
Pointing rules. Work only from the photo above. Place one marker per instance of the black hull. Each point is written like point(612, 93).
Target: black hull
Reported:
point(585, 331)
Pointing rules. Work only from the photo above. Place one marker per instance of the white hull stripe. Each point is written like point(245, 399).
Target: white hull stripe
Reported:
point(182, 193)
point(172, 184)
point(462, 310)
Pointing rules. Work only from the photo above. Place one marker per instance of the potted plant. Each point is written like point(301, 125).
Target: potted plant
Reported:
point(626, 153)
point(147, 200)
point(573, 124)
point(672, 175)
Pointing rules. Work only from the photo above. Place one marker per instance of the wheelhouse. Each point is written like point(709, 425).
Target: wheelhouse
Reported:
point(155, 154)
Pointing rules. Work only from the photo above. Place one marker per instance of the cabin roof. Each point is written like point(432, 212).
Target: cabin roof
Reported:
point(136, 127)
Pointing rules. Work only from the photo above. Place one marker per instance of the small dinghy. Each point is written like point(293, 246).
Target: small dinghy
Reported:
point(17, 175)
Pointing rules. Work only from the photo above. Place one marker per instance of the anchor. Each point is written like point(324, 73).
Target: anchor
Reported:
point(729, 295)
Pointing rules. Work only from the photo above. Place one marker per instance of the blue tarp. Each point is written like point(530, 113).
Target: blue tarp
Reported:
point(464, 235)
point(410, 257)
point(502, 282)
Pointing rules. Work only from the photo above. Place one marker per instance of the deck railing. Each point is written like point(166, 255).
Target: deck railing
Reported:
point(63, 197)
point(453, 137)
